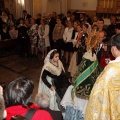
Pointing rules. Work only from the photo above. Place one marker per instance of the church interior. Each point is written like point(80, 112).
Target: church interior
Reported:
point(12, 63)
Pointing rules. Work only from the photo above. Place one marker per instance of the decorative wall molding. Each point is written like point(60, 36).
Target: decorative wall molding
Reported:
point(89, 12)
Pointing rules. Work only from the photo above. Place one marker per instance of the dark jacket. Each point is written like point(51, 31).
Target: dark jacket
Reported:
point(4, 35)
point(27, 17)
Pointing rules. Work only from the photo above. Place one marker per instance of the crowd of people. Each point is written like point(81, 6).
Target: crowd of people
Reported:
point(90, 50)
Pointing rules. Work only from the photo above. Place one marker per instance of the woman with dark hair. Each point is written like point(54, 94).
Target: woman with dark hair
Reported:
point(104, 101)
point(67, 38)
point(4, 17)
point(53, 80)
point(13, 32)
point(21, 22)
point(106, 55)
point(23, 39)
point(38, 19)
point(4, 32)
point(58, 35)
point(11, 20)
point(18, 99)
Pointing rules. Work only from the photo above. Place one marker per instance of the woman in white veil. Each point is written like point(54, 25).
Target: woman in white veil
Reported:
point(53, 79)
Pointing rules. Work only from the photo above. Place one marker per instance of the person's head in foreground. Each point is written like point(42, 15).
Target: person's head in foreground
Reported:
point(104, 101)
point(19, 92)
point(115, 46)
point(42, 100)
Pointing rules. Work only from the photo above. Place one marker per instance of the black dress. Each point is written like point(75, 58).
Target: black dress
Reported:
point(81, 49)
point(69, 45)
point(23, 44)
point(60, 82)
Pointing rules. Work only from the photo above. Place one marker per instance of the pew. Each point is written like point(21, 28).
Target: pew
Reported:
point(7, 43)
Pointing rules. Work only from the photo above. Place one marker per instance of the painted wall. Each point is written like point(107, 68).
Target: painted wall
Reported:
point(48, 6)
point(84, 4)
point(37, 7)
point(53, 6)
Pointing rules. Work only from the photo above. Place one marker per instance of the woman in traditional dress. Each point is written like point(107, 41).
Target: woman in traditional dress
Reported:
point(106, 55)
point(76, 97)
point(53, 79)
point(104, 101)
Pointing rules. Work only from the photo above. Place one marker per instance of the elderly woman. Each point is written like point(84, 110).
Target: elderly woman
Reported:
point(43, 101)
point(18, 98)
point(104, 101)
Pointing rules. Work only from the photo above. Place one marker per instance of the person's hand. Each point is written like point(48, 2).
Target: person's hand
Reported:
point(52, 88)
point(79, 43)
point(65, 41)
point(107, 60)
point(54, 40)
point(1, 90)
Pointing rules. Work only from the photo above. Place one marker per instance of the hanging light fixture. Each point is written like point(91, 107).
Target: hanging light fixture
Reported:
point(21, 2)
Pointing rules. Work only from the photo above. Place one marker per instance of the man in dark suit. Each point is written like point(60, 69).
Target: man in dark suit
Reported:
point(102, 35)
point(25, 15)
point(51, 22)
point(66, 18)
point(4, 32)
point(43, 101)
point(100, 23)
point(111, 27)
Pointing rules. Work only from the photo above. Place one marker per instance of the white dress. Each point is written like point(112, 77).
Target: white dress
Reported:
point(79, 104)
point(45, 34)
point(43, 88)
point(50, 93)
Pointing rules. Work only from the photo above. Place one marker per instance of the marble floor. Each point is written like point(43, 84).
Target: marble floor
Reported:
point(13, 66)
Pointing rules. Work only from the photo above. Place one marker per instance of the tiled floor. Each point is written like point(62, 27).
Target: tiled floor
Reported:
point(13, 66)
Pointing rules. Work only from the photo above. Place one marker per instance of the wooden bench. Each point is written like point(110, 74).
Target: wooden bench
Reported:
point(7, 43)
